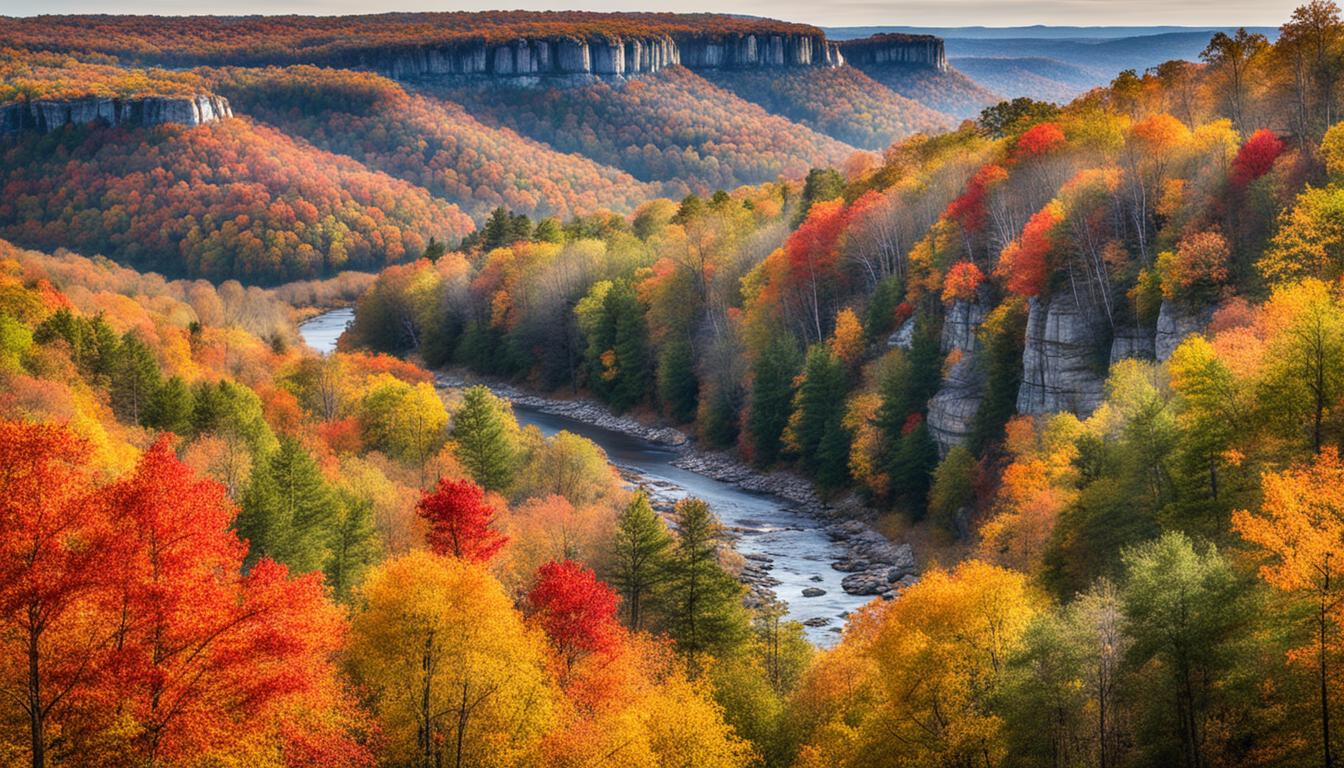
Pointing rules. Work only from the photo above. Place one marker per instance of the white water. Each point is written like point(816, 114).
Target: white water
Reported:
point(764, 525)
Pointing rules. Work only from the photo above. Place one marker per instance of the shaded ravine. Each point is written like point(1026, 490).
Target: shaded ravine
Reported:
point(787, 550)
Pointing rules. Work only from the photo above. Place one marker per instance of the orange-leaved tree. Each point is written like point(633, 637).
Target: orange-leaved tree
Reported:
point(1300, 529)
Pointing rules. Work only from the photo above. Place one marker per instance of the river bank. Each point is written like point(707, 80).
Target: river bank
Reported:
point(873, 565)
point(821, 560)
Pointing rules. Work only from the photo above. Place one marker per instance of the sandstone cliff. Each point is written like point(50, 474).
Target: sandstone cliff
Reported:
point(44, 116)
point(598, 56)
point(918, 50)
point(1060, 371)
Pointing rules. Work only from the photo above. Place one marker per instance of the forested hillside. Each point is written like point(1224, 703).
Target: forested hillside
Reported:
point(1083, 363)
point(1089, 358)
point(670, 126)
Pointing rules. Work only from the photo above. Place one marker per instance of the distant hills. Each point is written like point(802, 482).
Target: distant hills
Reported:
point(1055, 63)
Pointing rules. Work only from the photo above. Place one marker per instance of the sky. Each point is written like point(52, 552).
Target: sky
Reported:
point(941, 13)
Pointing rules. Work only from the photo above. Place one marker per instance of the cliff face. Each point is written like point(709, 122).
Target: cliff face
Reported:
point(45, 116)
point(1059, 372)
point(952, 411)
point(918, 50)
point(605, 56)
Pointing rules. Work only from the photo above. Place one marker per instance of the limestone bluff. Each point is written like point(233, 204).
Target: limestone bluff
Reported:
point(597, 56)
point(53, 114)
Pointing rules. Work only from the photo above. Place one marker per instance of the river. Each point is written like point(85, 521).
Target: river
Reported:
point(769, 532)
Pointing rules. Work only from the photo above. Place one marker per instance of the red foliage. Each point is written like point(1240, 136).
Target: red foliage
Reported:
point(1255, 158)
point(676, 127)
point(197, 635)
point(431, 143)
point(912, 423)
point(961, 281)
point(904, 311)
point(130, 599)
point(1040, 139)
point(968, 210)
point(1025, 264)
point(459, 521)
point(577, 611)
point(812, 248)
point(221, 200)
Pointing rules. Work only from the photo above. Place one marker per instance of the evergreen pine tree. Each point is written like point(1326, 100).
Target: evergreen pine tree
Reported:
point(771, 394)
point(819, 403)
point(434, 250)
point(701, 602)
point(832, 463)
point(630, 345)
point(287, 510)
point(353, 545)
point(637, 558)
point(484, 438)
point(135, 378)
point(169, 408)
point(678, 387)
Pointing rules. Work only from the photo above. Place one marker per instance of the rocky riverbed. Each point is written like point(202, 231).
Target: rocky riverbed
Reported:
point(872, 565)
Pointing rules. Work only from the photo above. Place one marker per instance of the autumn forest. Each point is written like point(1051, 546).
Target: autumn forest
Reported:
point(1054, 389)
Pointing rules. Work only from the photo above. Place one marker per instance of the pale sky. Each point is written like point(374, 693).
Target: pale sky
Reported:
point(941, 13)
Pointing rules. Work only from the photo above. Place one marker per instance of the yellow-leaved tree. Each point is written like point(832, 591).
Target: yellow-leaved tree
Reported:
point(941, 652)
point(454, 675)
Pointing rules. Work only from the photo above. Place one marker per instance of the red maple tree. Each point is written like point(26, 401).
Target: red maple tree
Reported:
point(1255, 158)
point(460, 521)
point(577, 611)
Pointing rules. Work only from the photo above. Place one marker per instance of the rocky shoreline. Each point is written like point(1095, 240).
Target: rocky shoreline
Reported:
point(874, 565)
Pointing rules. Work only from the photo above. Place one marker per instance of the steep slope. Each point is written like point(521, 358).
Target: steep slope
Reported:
point(1039, 78)
point(429, 142)
point(950, 92)
point(226, 199)
point(842, 102)
point(670, 126)
point(505, 43)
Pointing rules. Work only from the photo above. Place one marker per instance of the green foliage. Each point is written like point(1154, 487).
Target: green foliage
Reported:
point(771, 395)
point(1001, 340)
point(15, 341)
point(678, 387)
point(353, 544)
point(485, 438)
point(1185, 612)
point(619, 365)
point(1009, 118)
point(636, 561)
point(135, 378)
point(232, 411)
point(821, 184)
point(288, 509)
point(953, 487)
point(701, 603)
point(405, 421)
point(170, 407)
point(880, 318)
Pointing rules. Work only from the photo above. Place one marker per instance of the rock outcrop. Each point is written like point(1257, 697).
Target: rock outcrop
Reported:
point(600, 56)
point(1175, 321)
point(918, 50)
point(952, 410)
point(1059, 370)
point(45, 116)
point(1131, 343)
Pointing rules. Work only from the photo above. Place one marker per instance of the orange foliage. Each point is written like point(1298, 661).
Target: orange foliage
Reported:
point(225, 199)
point(961, 282)
point(1025, 264)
